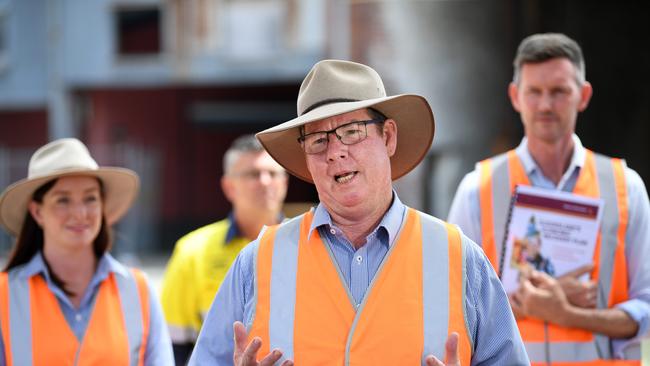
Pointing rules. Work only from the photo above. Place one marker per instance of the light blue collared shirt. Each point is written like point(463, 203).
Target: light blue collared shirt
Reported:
point(159, 349)
point(491, 323)
point(465, 212)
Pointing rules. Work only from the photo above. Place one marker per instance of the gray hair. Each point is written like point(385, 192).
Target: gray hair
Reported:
point(545, 46)
point(241, 145)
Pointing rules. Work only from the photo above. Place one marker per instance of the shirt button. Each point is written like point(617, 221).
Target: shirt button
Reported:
point(78, 317)
point(332, 231)
point(359, 259)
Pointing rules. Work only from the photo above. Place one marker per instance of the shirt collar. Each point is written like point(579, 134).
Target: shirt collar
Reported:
point(577, 158)
point(105, 266)
point(233, 228)
point(391, 222)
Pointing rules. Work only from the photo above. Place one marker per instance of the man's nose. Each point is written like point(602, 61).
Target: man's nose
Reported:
point(335, 148)
point(545, 102)
point(265, 177)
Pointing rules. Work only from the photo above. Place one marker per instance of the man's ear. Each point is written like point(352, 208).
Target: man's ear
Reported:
point(513, 93)
point(228, 188)
point(390, 136)
point(35, 210)
point(586, 91)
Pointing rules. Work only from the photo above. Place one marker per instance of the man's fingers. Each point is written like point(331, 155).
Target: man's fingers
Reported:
point(526, 290)
point(541, 279)
point(451, 350)
point(515, 305)
point(591, 303)
point(590, 298)
point(246, 354)
point(525, 287)
point(240, 336)
point(433, 361)
point(271, 358)
point(518, 298)
point(579, 271)
point(250, 353)
point(451, 353)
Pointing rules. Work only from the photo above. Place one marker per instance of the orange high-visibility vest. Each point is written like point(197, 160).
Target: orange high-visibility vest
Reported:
point(35, 332)
point(416, 298)
point(599, 177)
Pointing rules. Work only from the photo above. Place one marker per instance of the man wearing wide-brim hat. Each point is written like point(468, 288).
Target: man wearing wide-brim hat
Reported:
point(362, 278)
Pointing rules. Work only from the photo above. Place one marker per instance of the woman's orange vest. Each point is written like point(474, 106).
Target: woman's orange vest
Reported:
point(50, 341)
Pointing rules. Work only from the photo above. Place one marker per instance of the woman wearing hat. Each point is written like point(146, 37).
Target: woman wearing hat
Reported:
point(63, 298)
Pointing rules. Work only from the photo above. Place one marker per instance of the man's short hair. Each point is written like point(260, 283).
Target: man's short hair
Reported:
point(545, 46)
point(241, 145)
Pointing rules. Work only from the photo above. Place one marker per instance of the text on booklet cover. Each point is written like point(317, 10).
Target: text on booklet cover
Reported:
point(550, 231)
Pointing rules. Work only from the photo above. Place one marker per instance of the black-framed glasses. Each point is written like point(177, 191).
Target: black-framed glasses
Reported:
point(349, 134)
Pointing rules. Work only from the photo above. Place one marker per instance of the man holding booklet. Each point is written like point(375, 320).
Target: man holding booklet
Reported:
point(565, 320)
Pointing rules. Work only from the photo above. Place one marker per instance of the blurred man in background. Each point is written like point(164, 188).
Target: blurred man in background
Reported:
point(256, 186)
point(564, 319)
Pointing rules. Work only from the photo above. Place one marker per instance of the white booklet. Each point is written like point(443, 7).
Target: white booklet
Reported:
point(550, 231)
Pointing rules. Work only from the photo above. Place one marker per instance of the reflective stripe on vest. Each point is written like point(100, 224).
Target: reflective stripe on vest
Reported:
point(35, 331)
point(303, 305)
point(599, 177)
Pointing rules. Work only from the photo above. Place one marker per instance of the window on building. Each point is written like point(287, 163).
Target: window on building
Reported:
point(256, 29)
point(138, 31)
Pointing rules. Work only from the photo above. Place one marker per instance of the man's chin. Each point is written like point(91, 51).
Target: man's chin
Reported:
point(352, 201)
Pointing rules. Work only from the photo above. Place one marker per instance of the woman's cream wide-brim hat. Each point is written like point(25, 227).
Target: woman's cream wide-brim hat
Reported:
point(335, 87)
point(65, 157)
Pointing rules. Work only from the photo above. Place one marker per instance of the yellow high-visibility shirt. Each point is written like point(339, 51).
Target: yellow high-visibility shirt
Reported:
point(194, 273)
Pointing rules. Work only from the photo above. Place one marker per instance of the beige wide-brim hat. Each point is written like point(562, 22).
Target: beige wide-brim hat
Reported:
point(335, 87)
point(66, 157)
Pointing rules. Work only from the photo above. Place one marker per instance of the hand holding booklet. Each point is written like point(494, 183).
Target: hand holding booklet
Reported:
point(550, 231)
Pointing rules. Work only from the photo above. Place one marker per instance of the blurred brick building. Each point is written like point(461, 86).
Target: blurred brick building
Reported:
point(163, 86)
